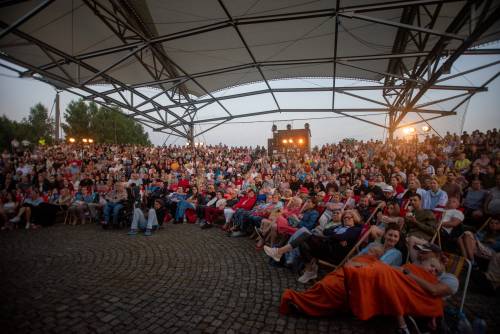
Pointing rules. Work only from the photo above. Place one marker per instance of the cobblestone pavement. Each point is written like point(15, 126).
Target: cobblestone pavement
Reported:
point(82, 279)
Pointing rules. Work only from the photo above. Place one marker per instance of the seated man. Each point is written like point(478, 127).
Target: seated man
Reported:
point(451, 226)
point(420, 225)
point(114, 203)
point(474, 202)
point(154, 215)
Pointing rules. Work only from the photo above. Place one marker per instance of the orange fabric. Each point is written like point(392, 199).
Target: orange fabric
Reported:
point(378, 289)
point(375, 289)
point(324, 298)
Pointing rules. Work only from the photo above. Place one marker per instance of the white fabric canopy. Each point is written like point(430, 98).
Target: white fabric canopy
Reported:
point(73, 28)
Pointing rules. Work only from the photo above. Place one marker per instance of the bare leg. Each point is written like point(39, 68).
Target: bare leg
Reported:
point(461, 245)
point(285, 249)
point(470, 245)
point(28, 216)
point(273, 233)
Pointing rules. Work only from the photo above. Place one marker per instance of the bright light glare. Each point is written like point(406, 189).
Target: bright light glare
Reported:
point(285, 141)
point(301, 141)
point(85, 140)
point(290, 140)
point(91, 140)
point(425, 128)
point(408, 131)
point(72, 140)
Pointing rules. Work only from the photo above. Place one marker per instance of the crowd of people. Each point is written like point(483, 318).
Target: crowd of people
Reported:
point(411, 202)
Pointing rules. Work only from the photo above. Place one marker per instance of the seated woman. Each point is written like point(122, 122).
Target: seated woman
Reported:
point(28, 209)
point(291, 249)
point(268, 228)
point(404, 291)
point(483, 244)
point(247, 220)
point(390, 254)
point(337, 244)
point(308, 218)
point(194, 198)
point(80, 206)
point(213, 209)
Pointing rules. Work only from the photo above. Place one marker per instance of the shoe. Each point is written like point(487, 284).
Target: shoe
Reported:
point(259, 232)
point(27, 226)
point(205, 225)
point(16, 219)
point(307, 276)
point(148, 233)
point(272, 253)
point(237, 234)
point(132, 232)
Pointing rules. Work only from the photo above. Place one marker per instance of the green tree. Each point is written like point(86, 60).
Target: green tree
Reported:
point(10, 130)
point(111, 126)
point(41, 126)
point(103, 124)
point(78, 117)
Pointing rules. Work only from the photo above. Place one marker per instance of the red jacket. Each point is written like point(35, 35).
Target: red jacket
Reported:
point(245, 203)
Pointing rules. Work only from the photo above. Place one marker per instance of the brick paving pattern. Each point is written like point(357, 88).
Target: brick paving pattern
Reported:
point(181, 280)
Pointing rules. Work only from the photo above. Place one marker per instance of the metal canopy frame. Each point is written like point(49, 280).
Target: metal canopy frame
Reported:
point(401, 91)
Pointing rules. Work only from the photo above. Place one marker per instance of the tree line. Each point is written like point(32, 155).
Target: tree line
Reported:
point(81, 120)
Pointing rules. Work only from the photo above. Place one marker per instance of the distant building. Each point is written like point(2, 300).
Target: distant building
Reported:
point(289, 140)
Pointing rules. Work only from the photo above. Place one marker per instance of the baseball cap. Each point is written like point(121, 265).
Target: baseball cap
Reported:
point(428, 247)
point(304, 190)
point(455, 214)
point(388, 189)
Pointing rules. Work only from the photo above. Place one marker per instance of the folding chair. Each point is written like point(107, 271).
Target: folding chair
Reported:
point(353, 252)
point(455, 266)
point(365, 234)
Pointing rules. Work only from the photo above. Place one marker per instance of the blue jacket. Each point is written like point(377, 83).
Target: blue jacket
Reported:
point(309, 219)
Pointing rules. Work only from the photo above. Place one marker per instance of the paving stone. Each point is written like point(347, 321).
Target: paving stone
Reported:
point(83, 279)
